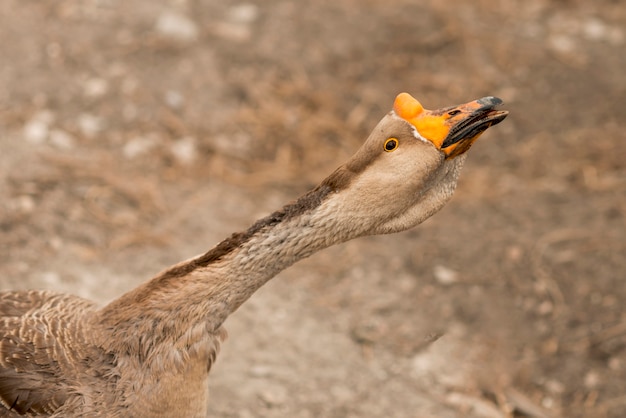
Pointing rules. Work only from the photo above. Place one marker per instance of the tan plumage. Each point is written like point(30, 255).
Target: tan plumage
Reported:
point(148, 353)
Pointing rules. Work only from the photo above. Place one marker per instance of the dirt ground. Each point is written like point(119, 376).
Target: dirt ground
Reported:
point(135, 134)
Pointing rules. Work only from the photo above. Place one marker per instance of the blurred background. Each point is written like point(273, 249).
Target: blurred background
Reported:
point(135, 134)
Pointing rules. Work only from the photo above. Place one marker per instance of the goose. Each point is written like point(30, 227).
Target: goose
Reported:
point(148, 353)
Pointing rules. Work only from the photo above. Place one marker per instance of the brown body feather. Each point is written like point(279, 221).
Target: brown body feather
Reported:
point(45, 356)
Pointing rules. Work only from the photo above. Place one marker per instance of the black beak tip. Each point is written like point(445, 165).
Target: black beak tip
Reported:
point(490, 102)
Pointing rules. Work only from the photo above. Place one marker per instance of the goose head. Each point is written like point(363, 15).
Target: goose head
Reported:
point(408, 167)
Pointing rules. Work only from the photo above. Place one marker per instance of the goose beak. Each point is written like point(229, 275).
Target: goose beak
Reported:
point(452, 130)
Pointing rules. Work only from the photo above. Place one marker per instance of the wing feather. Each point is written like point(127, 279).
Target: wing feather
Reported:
point(35, 364)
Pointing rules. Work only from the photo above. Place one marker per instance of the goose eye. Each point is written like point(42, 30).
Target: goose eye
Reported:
point(391, 144)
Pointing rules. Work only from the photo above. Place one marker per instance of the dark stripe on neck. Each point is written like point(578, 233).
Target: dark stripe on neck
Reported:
point(308, 202)
point(338, 180)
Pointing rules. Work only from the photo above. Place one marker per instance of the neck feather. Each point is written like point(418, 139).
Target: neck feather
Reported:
point(199, 294)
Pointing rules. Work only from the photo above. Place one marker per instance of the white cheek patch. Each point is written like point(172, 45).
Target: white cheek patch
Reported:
point(416, 134)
